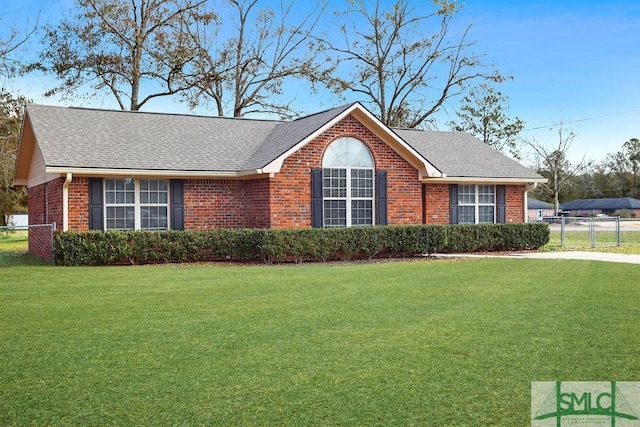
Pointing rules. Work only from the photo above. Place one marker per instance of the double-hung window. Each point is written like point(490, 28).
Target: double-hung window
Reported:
point(136, 204)
point(476, 204)
point(347, 184)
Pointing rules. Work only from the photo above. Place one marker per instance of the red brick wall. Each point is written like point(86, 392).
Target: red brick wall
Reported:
point(291, 188)
point(436, 203)
point(45, 203)
point(79, 204)
point(515, 203)
point(37, 207)
point(213, 203)
point(257, 208)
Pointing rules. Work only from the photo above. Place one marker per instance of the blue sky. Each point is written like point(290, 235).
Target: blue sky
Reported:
point(576, 62)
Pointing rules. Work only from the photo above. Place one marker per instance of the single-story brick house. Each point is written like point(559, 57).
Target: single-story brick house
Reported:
point(91, 169)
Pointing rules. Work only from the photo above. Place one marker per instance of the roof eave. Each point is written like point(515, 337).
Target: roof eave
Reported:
point(100, 172)
point(483, 179)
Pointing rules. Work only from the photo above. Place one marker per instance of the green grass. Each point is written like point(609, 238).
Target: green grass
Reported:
point(401, 343)
point(14, 240)
point(606, 241)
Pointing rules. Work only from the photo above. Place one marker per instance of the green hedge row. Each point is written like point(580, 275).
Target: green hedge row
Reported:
point(277, 245)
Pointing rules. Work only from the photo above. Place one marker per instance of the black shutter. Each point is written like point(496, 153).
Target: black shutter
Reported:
point(177, 204)
point(381, 198)
point(453, 203)
point(316, 198)
point(96, 205)
point(502, 203)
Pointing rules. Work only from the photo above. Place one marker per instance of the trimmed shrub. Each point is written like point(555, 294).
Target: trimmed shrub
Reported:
point(284, 245)
point(496, 237)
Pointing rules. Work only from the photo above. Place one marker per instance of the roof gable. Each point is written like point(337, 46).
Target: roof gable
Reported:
point(312, 126)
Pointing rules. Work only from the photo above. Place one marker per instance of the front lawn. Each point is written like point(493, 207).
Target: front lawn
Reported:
point(399, 343)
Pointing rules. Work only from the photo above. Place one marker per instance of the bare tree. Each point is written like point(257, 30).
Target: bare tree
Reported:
point(616, 168)
point(122, 47)
point(631, 151)
point(10, 46)
point(552, 163)
point(11, 198)
point(405, 63)
point(484, 114)
point(245, 61)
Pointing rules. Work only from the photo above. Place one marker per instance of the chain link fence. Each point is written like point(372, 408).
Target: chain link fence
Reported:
point(14, 245)
point(593, 232)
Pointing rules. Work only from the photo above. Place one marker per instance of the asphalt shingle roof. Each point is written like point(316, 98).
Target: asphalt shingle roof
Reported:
point(538, 204)
point(107, 139)
point(85, 138)
point(602, 204)
point(459, 154)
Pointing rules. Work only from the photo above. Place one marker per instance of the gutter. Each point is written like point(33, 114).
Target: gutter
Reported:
point(65, 202)
point(133, 173)
point(481, 180)
point(528, 188)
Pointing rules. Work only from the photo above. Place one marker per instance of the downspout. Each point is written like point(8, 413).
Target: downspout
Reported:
point(528, 188)
point(65, 202)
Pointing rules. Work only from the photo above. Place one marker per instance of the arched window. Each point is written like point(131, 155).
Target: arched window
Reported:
point(347, 184)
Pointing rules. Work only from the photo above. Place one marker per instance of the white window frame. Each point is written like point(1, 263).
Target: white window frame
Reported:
point(476, 204)
point(349, 199)
point(137, 204)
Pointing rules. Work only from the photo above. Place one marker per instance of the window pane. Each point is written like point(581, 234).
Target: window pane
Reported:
point(486, 194)
point(486, 214)
point(119, 191)
point(347, 152)
point(120, 218)
point(334, 183)
point(466, 194)
point(362, 183)
point(335, 213)
point(153, 191)
point(466, 215)
point(153, 218)
point(361, 212)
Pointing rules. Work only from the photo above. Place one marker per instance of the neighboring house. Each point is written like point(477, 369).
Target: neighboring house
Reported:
point(537, 209)
point(91, 169)
point(608, 206)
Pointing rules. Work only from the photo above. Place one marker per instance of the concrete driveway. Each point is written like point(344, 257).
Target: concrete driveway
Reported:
point(584, 255)
point(580, 255)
